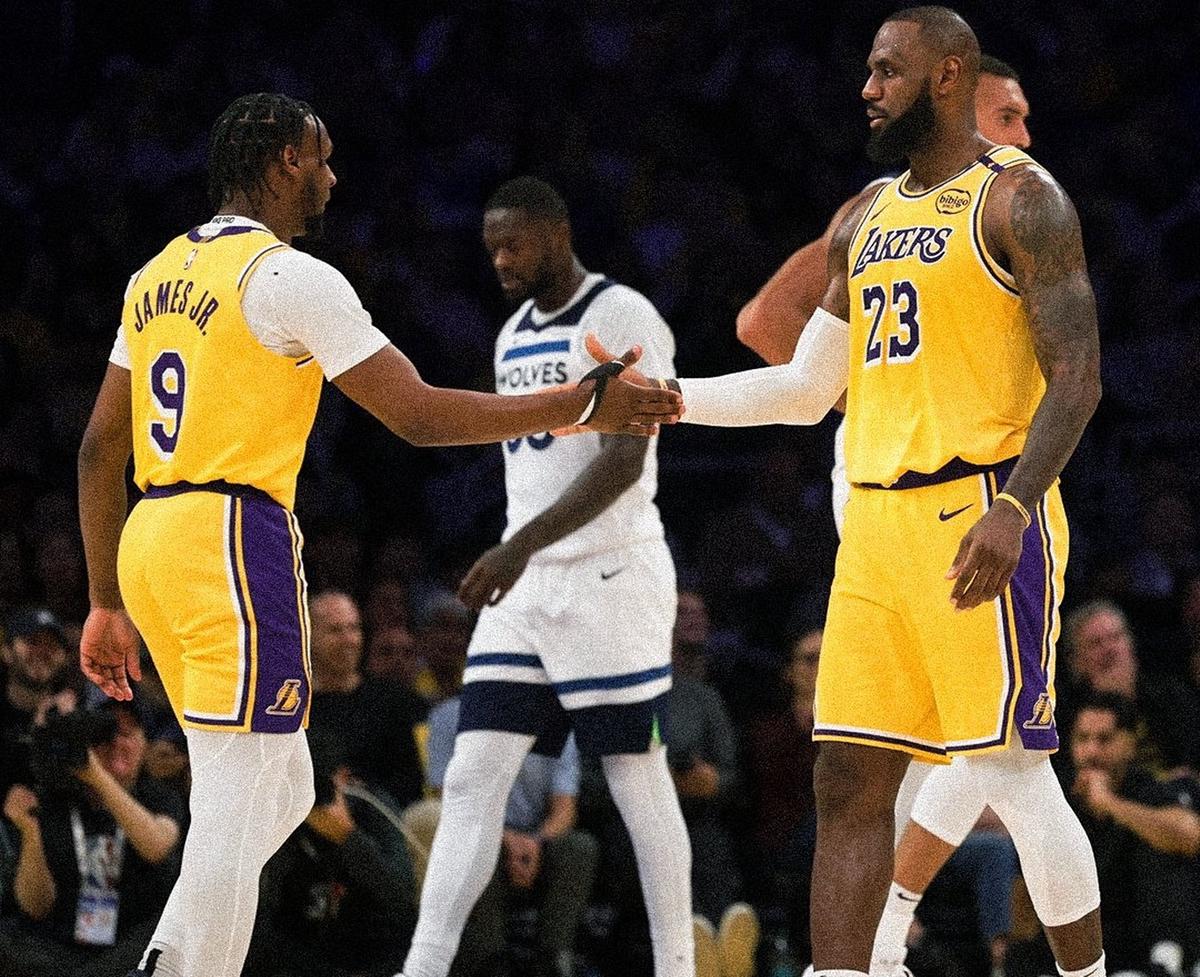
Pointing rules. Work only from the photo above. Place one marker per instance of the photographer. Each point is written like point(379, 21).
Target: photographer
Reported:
point(98, 847)
point(36, 668)
point(339, 897)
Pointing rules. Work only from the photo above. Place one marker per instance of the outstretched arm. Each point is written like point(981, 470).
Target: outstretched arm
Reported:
point(1030, 221)
point(801, 391)
point(388, 385)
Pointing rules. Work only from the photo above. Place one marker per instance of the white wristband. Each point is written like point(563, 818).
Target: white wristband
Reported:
point(588, 410)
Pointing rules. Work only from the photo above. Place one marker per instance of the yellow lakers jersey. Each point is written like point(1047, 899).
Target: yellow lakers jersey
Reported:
point(210, 402)
point(942, 363)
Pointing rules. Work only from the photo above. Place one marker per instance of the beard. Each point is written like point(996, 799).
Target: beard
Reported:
point(903, 134)
point(314, 223)
point(541, 280)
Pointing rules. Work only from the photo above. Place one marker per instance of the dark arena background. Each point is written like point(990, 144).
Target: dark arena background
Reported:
point(697, 144)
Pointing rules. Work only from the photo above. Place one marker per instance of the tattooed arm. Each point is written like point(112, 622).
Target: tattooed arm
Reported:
point(1037, 230)
point(1030, 224)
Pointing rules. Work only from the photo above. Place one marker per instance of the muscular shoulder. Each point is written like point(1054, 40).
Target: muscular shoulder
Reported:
point(1028, 214)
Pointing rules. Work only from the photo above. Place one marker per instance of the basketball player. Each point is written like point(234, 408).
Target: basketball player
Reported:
point(960, 290)
point(212, 385)
point(583, 549)
point(769, 324)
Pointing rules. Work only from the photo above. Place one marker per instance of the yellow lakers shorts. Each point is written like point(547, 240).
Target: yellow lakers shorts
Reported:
point(900, 667)
point(212, 577)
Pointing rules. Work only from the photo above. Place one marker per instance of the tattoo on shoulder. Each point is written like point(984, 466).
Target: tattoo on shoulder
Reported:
point(1045, 225)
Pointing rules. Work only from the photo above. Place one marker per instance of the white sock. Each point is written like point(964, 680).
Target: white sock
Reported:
point(249, 792)
point(1095, 970)
point(645, 795)
point(467, 844)
point(891, 937)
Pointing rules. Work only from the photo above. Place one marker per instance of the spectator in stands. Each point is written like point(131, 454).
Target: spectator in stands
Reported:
point(339, 897)
point(1146, 835)
point(375, 719)
point(38, 665)
point(702, 754)
point(99, 848)
point(1103, 658)
point(543, 857)
point(780, 756)
point(444, 628)
point(393, 656)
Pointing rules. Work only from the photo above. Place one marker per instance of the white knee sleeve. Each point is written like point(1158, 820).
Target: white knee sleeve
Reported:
point(1056, 856)
point(949, 801)
point(914, 779)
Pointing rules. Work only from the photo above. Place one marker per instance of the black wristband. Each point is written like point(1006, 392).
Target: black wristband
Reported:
point(600, 375)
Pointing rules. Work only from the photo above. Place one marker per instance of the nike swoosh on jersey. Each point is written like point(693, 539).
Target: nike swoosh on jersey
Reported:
point(610, 574)
point(944, 515)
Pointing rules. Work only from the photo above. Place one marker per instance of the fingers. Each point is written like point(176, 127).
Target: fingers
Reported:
point(133, 661)
point(597, 349)
point(956, 567)
point(631, 355)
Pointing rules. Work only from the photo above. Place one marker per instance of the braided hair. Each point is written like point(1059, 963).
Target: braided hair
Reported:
point(249, 134)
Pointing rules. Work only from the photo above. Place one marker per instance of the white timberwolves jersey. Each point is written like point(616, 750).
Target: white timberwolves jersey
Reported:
point(536, 350)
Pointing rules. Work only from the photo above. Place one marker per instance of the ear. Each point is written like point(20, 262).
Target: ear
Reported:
point(949, 76)
point(289, 158)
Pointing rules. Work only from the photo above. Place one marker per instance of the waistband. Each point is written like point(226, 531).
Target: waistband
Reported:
point(953, 470)
point(220, 487)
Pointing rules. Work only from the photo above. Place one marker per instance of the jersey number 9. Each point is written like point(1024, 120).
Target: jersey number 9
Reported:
point(167, 388)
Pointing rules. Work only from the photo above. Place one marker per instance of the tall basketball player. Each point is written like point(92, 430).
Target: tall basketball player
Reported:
point(959, 291)
point(213, 382)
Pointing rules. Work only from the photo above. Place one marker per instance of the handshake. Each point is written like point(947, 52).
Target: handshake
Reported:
point(635, 404)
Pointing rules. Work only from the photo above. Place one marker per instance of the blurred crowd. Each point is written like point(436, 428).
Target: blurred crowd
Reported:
point(696, 144)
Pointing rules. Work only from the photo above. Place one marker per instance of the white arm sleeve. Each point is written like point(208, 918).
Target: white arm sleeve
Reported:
point(299, 305)
point(799, 392)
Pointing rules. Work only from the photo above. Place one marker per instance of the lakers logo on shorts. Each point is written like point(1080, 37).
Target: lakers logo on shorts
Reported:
point(287, 699)
point(1043, 713)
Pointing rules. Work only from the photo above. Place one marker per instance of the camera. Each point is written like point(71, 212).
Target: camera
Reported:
point(59, 748)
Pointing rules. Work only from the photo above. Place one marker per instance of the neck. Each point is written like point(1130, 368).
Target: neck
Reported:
point(565, 285)
point(951, 147)
point(265, 212)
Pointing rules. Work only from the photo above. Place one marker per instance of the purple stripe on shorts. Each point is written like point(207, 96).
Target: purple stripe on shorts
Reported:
point(1034, 719)
point(281, 690)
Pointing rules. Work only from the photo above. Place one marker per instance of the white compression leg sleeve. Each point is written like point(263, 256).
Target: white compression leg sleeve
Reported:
point(910, 788)
point(467, 844)
point(1056, 856)
point(949, 801)
point(645, 795)
point(249, 792)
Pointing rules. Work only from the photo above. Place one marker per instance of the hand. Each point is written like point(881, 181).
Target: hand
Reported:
point(493, 575)
point(165, 760)
point(20, 807)
point(1094, 788)
point(332, 821)
point(987, 557)
point(523, 858)
point(92, 771)
point(701, 779)
point(632, 404)
point(108, 651)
